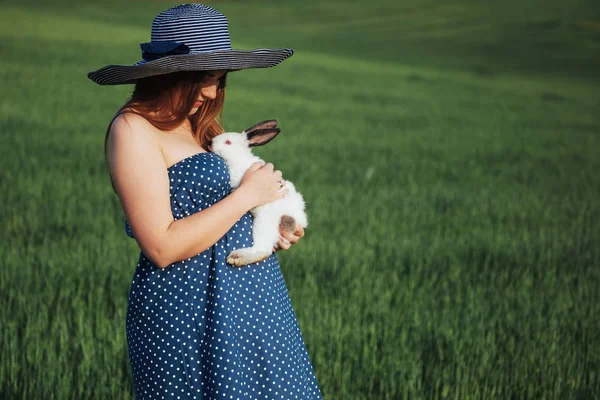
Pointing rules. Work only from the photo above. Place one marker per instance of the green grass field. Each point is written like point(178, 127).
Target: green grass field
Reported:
point(448, 152)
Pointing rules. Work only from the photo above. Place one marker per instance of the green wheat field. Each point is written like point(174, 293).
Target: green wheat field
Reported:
point(448, 152)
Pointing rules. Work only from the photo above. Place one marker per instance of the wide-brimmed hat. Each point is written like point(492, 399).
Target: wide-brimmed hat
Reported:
point(189, 37)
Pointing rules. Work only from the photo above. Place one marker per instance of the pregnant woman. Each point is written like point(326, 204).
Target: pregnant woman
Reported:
point(198, 328)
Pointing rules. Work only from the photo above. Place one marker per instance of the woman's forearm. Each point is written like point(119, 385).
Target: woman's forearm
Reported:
point(192, 235)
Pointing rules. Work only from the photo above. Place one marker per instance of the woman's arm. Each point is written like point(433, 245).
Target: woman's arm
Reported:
point(141, 180)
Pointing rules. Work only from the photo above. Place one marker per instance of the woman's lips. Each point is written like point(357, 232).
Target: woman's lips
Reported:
point(198, 103)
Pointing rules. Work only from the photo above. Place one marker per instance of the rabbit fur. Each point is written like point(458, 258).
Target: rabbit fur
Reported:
point(236, 149)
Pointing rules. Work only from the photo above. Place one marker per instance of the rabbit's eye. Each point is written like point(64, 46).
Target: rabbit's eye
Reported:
point(228, 142)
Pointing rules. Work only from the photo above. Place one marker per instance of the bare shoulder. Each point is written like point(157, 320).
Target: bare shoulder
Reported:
point(140, 179)
point(129, 123)
point(131, 137)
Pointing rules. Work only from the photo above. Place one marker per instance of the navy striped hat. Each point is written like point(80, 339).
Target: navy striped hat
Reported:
point(189, 37)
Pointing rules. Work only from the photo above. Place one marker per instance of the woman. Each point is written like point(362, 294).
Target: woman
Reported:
point(198, 328)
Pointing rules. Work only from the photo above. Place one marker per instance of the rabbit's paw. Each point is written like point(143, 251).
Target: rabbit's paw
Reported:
point(246, 256)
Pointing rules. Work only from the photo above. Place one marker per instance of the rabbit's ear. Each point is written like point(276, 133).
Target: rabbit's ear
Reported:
point(261, 137)
point(270, 123)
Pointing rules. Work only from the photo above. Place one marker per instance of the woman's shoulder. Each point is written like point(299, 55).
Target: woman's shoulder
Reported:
point(127, 120)
point(133, 127)
point(129, 133)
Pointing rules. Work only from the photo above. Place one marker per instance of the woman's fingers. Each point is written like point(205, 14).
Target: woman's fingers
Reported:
point(284, 243)
point(269, 166)
point(281, 245)
point(299, 231)
point(289, 237)
point(263, 184)
point(292, 238)
point(256, 166)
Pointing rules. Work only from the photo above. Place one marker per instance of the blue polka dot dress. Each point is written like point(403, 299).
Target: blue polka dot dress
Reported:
point(202, 329)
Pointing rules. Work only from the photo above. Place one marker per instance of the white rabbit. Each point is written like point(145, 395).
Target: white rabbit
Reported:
point(236, 149)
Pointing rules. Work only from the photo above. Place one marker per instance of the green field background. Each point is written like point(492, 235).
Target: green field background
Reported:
point(448, 152)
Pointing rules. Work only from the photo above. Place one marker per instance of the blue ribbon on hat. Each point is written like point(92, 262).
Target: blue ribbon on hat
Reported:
point(155, 50)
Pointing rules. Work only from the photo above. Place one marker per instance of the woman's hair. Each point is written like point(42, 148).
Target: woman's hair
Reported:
point(166, 101)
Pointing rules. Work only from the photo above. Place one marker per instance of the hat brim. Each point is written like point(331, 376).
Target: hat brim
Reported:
point(231, 60)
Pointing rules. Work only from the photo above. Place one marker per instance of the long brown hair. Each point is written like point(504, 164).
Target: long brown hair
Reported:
point(166, 101)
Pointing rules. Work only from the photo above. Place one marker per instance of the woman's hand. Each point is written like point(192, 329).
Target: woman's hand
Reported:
point(262, 184)
point(288, 239)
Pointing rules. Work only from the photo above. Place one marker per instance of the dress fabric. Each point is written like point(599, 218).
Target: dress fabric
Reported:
point(202, 329)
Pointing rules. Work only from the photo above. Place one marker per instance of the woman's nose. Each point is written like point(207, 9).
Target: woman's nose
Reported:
point(209, 92)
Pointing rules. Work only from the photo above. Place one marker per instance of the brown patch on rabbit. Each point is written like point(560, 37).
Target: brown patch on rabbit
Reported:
point(288, 224)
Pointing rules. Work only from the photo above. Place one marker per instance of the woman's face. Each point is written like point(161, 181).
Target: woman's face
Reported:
point(209, 89)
